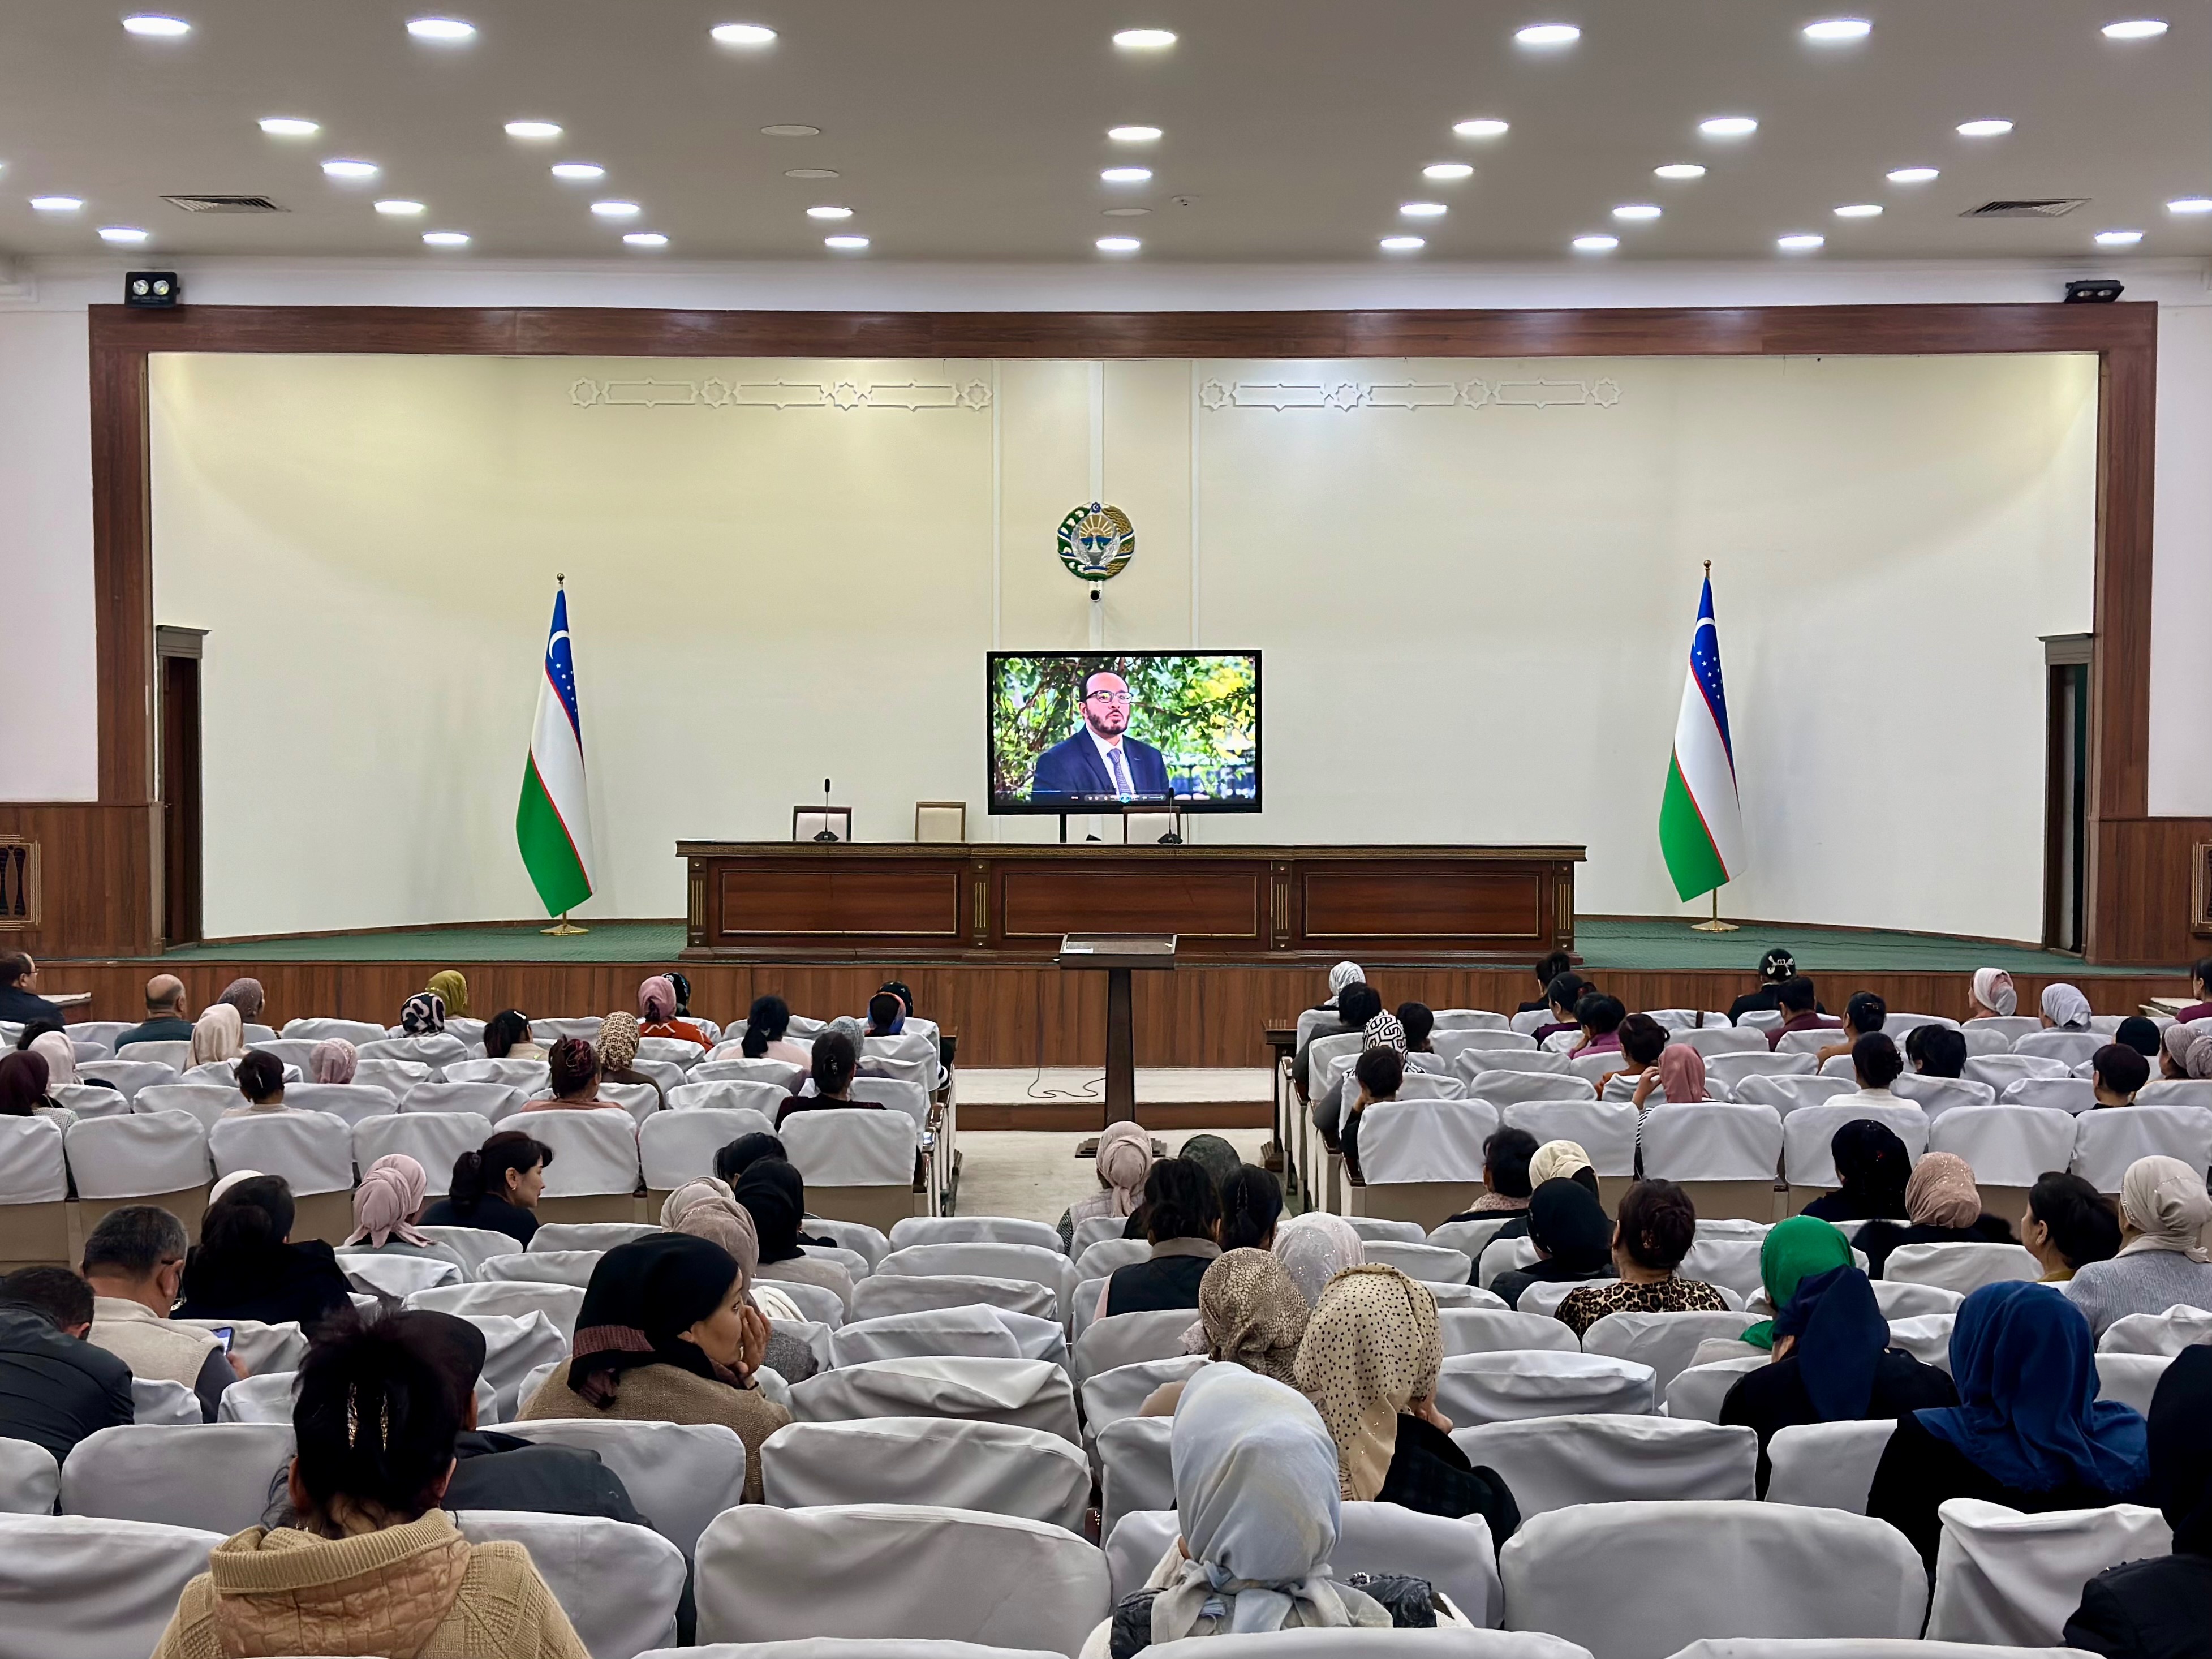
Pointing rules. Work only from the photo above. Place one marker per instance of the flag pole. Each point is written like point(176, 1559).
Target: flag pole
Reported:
point(563, 928)
point(1715, 926)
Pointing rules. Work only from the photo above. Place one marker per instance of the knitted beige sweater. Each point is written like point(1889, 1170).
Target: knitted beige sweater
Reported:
point(668, 1394)
point(418, 1591)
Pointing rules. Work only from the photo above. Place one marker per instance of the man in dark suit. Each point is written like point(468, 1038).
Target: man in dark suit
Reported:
point(19, 981)
point(1102, 760)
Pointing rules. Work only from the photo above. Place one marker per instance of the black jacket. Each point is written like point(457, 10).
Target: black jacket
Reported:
point(1428, 1473)
point(22, 1007)
point(494, 1215)
point(1165, 1281)
point(56, 1389)
point(1879, 1238)
point(1918, 1472)
point(300, 1282)
point(1773, 1397)
point(2157, 1610)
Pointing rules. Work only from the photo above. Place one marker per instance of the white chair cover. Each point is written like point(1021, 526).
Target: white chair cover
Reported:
point(1926, 1337)
point(681, 1050)
point(532, 1077)
point(2076, 1095)
point(1791, 1092)
point(1697, 1392)
point(1130, 1339)
point(157, 1402)
point(1502, 1330)
point(1100, 1260)
point(853, 1146)
point(349, 1103)
point(1402, 1141)
point(558, 1302)
point(1471, 1063)
point(260, 1347)
point(548, 1031)
point(536, 1266)
point(1468, 1237)
point(1674, 1572)
point(2010, 1027)
point(175, 1056)
point(1386, 1228)
point(74, 1587)
point(496, 1101)
point(2000, 1071)
point(129, 1075)
point(2159, 1091)
point(1963, 1268)
point(728, 1065)
point(592, 1235)
point(2004, 1576)
point(1421, 1083)
point(1733, 1069)
point(397, 1077)
point(854, 1264)
point(2006, 1145)
point(263, 1397)
point(205, 1102)
point(437, 1050)
point(1806, 1132)
point(595, 1150)
point(140, 1156)
point(474, 1245)
point(1508, 1088)
point(1032, 1262)
point(1027, 1393)
point(1936, 1095)
point(677, 1147)
point(976, 1332)
point(1136, 1468)
point(2106, 1143)
point(1431, 1264)
point(1095, 1231)
point(214, 1476)
point(619, 1584)
point(679, 1475)
point(1730, 1260)
point(768, 1574)
point(1706, 1141)
point(30, 1479)
point(860, 1239)
point(1111, 1395)
point(2068, 1047)
point(1900, 1299)
point(312, 1151)
point(1871, 1648)
point(395, 1273)
point(1826, 1465)
point(1475, 1388)
point(640, 1100)
point(2130, 1378)
point(1447, 1043)
point(1710, 1040)
point(2166, 1333)
point(885, 1294)
point(1502, 1255)
point(729, 1095)
point(1604, 1129)
point(517, 1346)
point(32, 1170)
point(433, 1139)
point(1667, 1342)
point(1549, 1462)
point(997, 1468)
point(87, 1100)
point(356, 1031)
point(1544, 1296)
point(819, 1303)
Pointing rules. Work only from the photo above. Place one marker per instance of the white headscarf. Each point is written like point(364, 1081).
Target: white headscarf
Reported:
point(1993, 990)
point(1555, 1160)
point(2064, 1006)
point(60, 1055)
point(1256, 1496)
point(1343, 974)
point(1314, 1248)
point(219, 1034)
point(2165, 1201)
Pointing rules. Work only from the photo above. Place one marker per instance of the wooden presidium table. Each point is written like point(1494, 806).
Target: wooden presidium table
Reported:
point(1119, 954)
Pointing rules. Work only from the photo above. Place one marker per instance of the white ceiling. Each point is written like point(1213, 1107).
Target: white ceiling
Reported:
point(975, 129)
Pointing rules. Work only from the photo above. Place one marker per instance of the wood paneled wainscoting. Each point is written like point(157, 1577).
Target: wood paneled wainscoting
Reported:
point(96, 890)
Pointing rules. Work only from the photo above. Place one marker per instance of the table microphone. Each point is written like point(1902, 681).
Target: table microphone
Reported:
point(825, 833)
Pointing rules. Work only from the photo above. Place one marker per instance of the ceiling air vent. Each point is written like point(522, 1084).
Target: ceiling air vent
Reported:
point(2049, 207)
point(224, 204)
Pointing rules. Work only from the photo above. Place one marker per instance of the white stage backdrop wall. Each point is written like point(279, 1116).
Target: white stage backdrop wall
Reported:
point(1474, 582)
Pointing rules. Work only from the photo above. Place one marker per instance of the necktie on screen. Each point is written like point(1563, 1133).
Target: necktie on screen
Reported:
point(1119, 765)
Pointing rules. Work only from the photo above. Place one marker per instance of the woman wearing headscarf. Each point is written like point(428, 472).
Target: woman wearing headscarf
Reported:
point(1250, 1314)
point(1945, 1207)
point(2162, 1259)
point(1833, 1362)
point(1123, 1160)
point(453, 990)
point(1215, 1156)
point(2197, 1061)
point(618, 1043)
point(2155, 1609)
point(60, 1055)
point(1369, 1361)
point(1314, 1247)
point(657, 1004)
point(1656, 1226)
point(1343, 974)
point(1257, 1502)
point(387, 1206)
point(1680, 1075)
point(219, 1034)
point(247, 997)
point(1873, 1166)
point(2029, 1431)
point(22, 1083)
point(1572, 1236)
point(422, 1015)
point(706, 1209)
point(2064, 1008)
point(664, 1335)
point(775, 1195)
point(1992, 996)
point(1793, 1251)
point(332, 1060)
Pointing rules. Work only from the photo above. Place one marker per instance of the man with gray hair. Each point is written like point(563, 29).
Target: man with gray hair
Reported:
point(165, 1015)
point(134, 1261)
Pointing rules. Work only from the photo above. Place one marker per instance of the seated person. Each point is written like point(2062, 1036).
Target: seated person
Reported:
point(374, 1562)
point(2154, 1609)
point(55, 1387)
point(387, 1205)
point(1124, 1158)
point(1863, 1015)
point(506, 1036)
point(573, 1071)
point(1573, 1240)
point(247, 996)
point(23, 1083)
point(2028, 1432)
point(422, 1015)
point(1420, 1023)
point(765, 1038)
point(1943, 1206)
point(835, 1063)
point(332, 1060)
point(2068, 1224)
point(1182, 1219)
point(2200, 989)
point(1597, 1020)
point(1380, 1073)
point(1212, 1154)
point(886, 1014)
point(165, 1020)
point(1935, 1050)
point(19, 1002)
point(248, 1267)
point(1505, 1185)
point(1549, 967)
point(453, 986)
point(709, 1209)
point(1250, 1313)
point(731, 1161)
point(1369, 1361)
point(134, 1261)
point(1314, 1247)
point(1341, 974)
point(52, 1044)
point(1833, 1362)
point(1355, 1004)
point(2174, 1046)
point(2139, 1034)
point(617, 1052)
point(775, 1195)
point(665, 1335)
point(1327, 1094)
point(1642, 1040)
point(1251, 1208)
point(261, 1080)
point(1800, 1008)
point(1680, 1075)
point(1873, 1166)
point(218, 1035)
point(1656, 1226)
point(1991, 995)
point(2162, 1261)
point(1560, 996)
point(495, 1188)
point(657, 1005)
point(2063, 1008)
point(1877, 1064)
point(1775, 968)
point(2118, 1073)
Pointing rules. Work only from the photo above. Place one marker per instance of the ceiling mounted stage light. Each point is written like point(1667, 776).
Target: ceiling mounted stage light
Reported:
point(445, 31)
point(1678, 170)
point(743, 34)
point(1548, 35)
point(1482, 126)
point(1145, 39)
point(1728, 126)
point(289, 126)
point(1830, 30)
point(1596, 244)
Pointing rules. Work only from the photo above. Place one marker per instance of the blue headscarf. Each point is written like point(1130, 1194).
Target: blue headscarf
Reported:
point(1840, 1335)
point(2026, 1366)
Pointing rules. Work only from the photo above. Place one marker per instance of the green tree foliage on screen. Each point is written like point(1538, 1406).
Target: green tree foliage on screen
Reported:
point(1202, 712)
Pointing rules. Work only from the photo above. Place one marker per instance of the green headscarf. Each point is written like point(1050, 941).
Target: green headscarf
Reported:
point(455, 990)
point(1795, 1250)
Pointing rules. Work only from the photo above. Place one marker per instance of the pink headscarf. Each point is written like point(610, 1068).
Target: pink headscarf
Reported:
point(391, 1190)
point(332, 1060)
point(656, 999)
point(1682, 1074)
point(1125, 1159)
point(60, 1055)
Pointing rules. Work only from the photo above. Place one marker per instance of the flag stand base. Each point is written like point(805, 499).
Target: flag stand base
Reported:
point(1715, 925)
point(564, 928)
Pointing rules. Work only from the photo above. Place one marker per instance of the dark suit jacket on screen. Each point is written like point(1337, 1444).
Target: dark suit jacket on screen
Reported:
point(1074, 767)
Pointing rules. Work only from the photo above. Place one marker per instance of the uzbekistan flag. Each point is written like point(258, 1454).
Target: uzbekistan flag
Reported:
point(552, 824)
point(1701, 825)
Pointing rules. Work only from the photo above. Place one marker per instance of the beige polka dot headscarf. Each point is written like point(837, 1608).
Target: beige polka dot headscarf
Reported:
point(1372, 1349)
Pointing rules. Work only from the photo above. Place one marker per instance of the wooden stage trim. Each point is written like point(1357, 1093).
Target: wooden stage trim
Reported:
point(749, 900)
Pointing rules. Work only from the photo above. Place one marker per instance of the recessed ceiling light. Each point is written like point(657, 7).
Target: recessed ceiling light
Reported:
point(398, 206)
point(1802, 241)
point(1728, 126)
point(1125, 175)
point(1447, 170)
point(1829, 29)
point(532, 130)
point(1402, 244)
point(829, 213)
point(1134, 135)
point(289, 126)
point(2135, 28)
point(1145, 39)
point(2119, 238)
point(743, 34)
point(1636, 210)
point(810, 173)
point(1483, 126)
point(71, 204)
point(1859, 210)
point(1118, 244)
point(121, 234)
point(2184, 204)
point(446, 237)
point(1548, 35)
point(1422, 209)
point(616, 210)
point(847, 243)
point(1913, 175)
point(1679, 170)
point(790, 129)
point(1596, 244)
point(350, 169)
point(1991, 129)
point(579, 170)
point(155, 24)
point(645, 239)
point(445, 30)
point(1125, 213)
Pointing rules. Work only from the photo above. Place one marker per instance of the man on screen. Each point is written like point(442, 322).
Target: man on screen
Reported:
point(1102, 760)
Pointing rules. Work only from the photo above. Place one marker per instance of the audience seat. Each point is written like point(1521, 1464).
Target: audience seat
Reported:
point(433, 1139)
point(1710, 1040)
point(1095, 1230)
point(260, 1347)
point(2130, 1378)
point(437, 1051)
point(494, 1100)
point(1502, 1255)
point(1422, 1159)
point(1697, 1392)
point(34, 1222)
point(532, 1077)
point(1826, 1465)
point(516, 1346)
point(1605, 1130)
point(1469, 1237)
point(1790, 1092)
point(1731, 1069)
point(176, 1056)
point(1506, 1088)
point(730, 1094)
point(214, 1476)
point(474, 1245)
point(595, 1173)
point(727, 1065)
point(854, 1264)
point(2074, 1095)
point(2007, 1148)
point(1502, 1330)
point(1936, 1095)
point(395, 1273)
point(2069, 1047)
point(996, 1468)
point(397, 1076)
point(1136, 1468)
point(1110, 1395)
point(2106, 1143)
point(80, 1587)
point(978, 1332)
point(1032, 1262)
point(975, 1230)
point(1727, 1261)
point(536, 1266)
point(30, 1479)
point(131, 1075)
point(679, 1475)
point(1806, 1132)
point(2002, 1071)
point(619, 1584)
point(1725, 1156)
point(2003, 1577)
point(558, 1302)
point(885, 1294)
point(149, 1157)
point(205, 1102)
point(1965, 1267)
point(2010, 1027)
point(1028, 1393)
point(1472, 1063)
point(1129, 1338)
point(677, 1147)
point(547, 1032)
point(2174, 1091)
point(859, 1163)
point(349, 1103)
point(1103, 1258)
point(2166, 1333)
point(640, 1100)
point(156, 1403)
point(356, 1031)
point(313, 1153)
point(1664, 1341)
point(1926, 1337)
point(1430, 1264)
point(1475, 1388)
point(1551, 1463)
point(1899, 1298)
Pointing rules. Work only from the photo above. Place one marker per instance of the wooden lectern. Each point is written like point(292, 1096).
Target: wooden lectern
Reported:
point(1119, 954)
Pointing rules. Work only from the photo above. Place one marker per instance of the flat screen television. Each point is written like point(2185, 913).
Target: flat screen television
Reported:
point(1185, 725)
